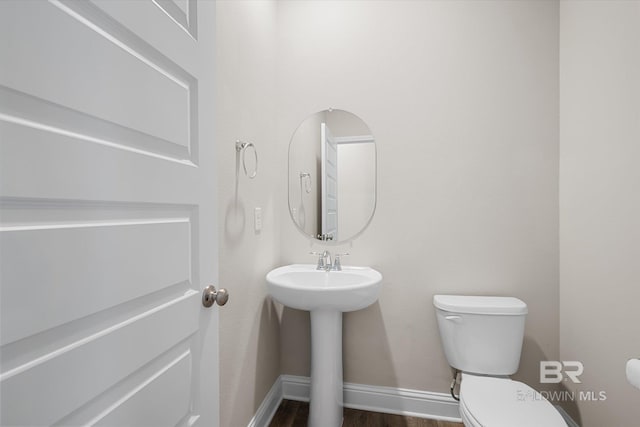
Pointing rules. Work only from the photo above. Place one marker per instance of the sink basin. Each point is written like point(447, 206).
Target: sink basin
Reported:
point(303, 287)
point(326, 295)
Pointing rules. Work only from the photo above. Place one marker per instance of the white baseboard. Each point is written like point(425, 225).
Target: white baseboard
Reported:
point(414, 403)
point(390, 400)
point(269, 406)
point(295, 387)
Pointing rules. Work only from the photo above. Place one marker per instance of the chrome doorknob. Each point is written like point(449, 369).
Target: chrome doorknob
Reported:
point(211, 295)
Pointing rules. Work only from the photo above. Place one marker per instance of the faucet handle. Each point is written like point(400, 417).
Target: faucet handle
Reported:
point(337, 265)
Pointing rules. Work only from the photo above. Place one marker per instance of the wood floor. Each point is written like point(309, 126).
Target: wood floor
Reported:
point(291, 413)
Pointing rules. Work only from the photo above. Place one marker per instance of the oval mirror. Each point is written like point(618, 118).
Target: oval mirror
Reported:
point(332, 176)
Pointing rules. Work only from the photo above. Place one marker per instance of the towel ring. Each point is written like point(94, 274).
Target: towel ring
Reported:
point(242, 147)
point(306, 178)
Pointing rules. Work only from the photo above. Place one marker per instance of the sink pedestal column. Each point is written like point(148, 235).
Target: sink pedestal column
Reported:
point(325, 407)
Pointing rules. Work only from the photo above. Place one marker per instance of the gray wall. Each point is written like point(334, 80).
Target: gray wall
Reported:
point(600, 203)
point(245, 80)
point(462, 98)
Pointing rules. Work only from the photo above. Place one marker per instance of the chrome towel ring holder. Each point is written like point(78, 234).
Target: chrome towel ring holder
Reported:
point(241, 148)
point(306, 178)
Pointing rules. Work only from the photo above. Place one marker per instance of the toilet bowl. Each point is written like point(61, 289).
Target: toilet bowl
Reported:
point(482, 338)
point(502, 402)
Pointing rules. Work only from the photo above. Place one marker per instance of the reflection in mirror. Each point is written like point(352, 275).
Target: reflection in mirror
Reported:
point(332, 176)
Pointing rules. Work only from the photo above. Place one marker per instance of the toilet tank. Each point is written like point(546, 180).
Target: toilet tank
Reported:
point(481, 335)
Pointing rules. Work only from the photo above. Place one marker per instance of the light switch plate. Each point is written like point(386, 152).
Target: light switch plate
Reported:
point(257, 219)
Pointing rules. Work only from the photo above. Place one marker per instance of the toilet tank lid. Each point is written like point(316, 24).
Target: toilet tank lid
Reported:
point(480, 304)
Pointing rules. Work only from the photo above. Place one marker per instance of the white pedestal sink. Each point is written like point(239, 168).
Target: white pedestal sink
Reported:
point(326, 295)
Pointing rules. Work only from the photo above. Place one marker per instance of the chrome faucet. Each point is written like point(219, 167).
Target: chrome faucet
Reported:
point(324, 261)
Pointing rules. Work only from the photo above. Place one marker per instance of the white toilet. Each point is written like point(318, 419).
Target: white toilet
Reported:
point(482, 338)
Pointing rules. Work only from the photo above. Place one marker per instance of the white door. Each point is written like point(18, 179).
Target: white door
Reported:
point(107, 217)
point(329, 182)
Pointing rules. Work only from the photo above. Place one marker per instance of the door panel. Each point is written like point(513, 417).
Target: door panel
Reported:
point(94, 66)
point(118, 257)
point(39, 392)
point(105, 191)
point(144, 399)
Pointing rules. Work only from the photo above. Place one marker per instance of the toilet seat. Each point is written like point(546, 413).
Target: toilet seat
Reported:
point(502, 402)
